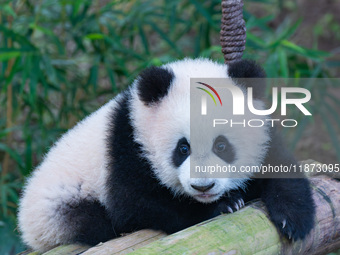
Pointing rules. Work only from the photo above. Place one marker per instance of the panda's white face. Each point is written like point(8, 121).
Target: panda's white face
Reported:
point(164, 131)
point(222, 146)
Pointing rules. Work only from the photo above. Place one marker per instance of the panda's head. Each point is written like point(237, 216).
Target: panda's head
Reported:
point(160, 112)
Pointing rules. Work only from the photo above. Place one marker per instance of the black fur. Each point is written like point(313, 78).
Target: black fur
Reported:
point(289, 198)
point(154, 84)
point(177, 157)
point(247, 73)
point(88, 219)
point(228, 154)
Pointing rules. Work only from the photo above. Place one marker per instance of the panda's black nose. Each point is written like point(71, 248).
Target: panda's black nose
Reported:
point(203, 188)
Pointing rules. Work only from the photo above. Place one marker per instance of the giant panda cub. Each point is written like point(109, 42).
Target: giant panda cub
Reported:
point(126, 167)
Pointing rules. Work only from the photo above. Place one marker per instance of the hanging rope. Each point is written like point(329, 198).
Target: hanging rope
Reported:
point(233, 30)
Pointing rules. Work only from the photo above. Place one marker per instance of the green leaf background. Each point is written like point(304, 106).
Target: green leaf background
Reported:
point(61, 60)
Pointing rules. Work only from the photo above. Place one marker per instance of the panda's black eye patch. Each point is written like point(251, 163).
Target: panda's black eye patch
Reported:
point(224, 149)
point(181, 152)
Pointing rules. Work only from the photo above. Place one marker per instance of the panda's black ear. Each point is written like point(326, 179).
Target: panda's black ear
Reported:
point(153, 84)
point(242, 72)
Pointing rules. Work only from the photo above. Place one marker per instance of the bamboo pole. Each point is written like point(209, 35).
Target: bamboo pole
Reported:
point(249, 231)
point(126, 244)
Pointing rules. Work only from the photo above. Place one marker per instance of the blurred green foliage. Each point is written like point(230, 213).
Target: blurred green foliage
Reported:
point(62, 59)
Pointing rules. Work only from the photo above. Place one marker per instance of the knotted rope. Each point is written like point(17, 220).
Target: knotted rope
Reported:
point(233, 30)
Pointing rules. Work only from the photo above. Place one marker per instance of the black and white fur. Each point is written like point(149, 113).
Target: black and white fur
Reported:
point(126, 167)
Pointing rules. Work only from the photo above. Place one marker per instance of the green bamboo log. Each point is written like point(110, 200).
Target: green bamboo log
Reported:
point(249, 231)
point(70, 249)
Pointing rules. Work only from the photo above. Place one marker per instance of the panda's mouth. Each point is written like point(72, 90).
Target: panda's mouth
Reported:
point(206, 197)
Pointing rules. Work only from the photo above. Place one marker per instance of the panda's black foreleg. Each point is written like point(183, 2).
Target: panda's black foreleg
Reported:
point(290, 206)
point(287, 195)
point(162, 214)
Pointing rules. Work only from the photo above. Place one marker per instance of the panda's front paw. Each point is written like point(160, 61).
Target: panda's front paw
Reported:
point(293, 217)
point(234, 206)
point(293, 224)
point(231, 203)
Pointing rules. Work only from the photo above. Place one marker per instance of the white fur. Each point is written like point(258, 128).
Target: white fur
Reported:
point(74, 168)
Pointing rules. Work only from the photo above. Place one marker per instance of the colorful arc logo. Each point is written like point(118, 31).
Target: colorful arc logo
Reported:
point(204, 98)
point(212, 89)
